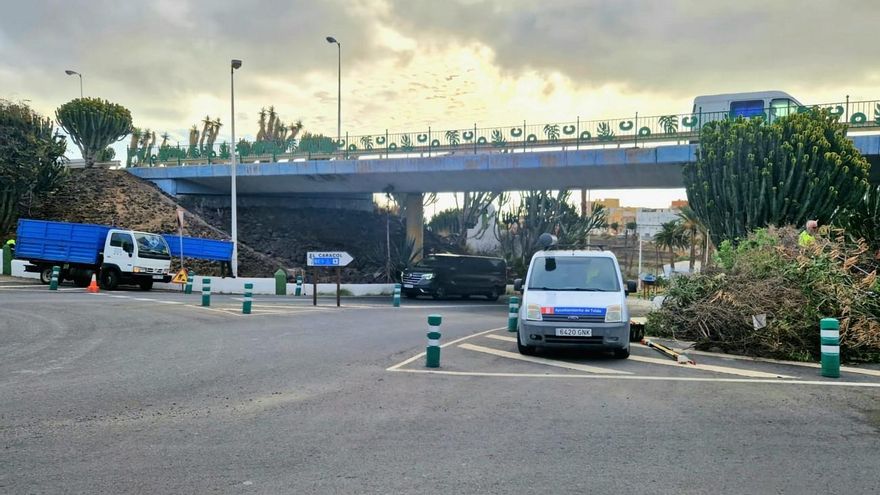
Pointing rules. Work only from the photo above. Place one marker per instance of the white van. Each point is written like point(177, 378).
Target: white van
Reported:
point(574, 299)
point(770, 104)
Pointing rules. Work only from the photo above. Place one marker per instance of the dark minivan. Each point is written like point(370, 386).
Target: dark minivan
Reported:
point(441, 275)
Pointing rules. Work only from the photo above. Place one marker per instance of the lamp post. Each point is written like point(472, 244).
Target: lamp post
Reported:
point(331, 39)
point(235, 64)
point(73, 72)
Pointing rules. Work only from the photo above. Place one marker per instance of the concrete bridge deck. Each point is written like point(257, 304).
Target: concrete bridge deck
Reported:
point(625, 168)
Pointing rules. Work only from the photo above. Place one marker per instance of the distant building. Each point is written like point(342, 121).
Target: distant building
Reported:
point(650, 220)
point(621, 215)
point(679, 204)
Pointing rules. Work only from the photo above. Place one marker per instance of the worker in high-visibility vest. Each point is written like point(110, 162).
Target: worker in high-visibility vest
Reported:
point(808, 235)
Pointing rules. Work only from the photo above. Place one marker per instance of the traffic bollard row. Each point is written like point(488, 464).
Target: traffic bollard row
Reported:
point(512, 314)
point(396, 300)
point(206, 292)
point(248, 299)
point(188, 287)
point(432, 352)
point(299, 285)
point(829, 333)
point(53, 283)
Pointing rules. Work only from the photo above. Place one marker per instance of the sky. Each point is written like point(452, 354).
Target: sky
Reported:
point(410, 64)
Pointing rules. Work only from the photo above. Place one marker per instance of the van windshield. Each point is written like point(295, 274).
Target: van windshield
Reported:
point(596, 274)
point(429, 262)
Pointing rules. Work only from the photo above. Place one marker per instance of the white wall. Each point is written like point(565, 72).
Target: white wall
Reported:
point(266, 286)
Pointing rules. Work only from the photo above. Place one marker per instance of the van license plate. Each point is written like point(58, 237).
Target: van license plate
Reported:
point(574, 332)
point(157, 277)
point(407, 286)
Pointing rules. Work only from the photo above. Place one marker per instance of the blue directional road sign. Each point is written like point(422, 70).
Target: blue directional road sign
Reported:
point(328, 258)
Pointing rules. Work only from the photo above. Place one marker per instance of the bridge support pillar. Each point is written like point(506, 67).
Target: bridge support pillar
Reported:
point(415, 223)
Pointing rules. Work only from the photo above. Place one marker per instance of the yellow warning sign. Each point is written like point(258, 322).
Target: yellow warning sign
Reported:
point(180, 278)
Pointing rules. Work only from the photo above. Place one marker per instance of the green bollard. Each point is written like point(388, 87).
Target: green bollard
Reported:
point(280, 283)
point(512, 313)
point(248, 299)
point(829, 333)
point(299, 285)
point(7, 259)
point(53, 282)
point(396, 300)
point(188, 287)
point(206, 292)
point(432, 353)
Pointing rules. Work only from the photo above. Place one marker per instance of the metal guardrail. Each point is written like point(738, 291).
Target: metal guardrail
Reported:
point(518, 137)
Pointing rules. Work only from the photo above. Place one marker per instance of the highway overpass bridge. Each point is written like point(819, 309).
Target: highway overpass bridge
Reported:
point(629, 153)
point(653, 167)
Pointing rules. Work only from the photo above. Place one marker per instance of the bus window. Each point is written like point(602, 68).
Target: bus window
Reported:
point(746, 108)
point(782, 107)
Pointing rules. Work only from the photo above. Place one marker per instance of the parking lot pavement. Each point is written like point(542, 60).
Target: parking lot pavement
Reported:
point(147, 392)
point(494, 353)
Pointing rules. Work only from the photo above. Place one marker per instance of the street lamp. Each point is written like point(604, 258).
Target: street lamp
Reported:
point(235, 64)
point(331, 39)
point(72, 72)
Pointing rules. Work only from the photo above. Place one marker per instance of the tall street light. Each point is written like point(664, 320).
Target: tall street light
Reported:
point(73, 72)
point(331, 39)
point(235, 64)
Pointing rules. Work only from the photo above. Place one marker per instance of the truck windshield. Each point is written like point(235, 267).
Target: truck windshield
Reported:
point(575, 274)
point(151, 245)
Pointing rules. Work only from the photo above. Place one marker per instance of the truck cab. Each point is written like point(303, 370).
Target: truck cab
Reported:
point(131, 257)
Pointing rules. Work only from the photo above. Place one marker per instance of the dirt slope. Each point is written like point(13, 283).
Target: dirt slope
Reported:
point(115, 197)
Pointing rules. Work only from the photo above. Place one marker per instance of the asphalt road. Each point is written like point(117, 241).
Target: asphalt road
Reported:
point(131, 392)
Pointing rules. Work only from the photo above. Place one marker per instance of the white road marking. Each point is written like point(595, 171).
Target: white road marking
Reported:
point(666, 362)
point(646, 378)
point(848, 369)
point(422, 354)
point(708, 367)
point(538, 360)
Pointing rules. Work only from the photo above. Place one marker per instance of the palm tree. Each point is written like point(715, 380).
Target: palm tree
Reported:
point(614, 226)
point(193, 135)
point(164, 137)
point(692, 226)
point(671, 236)
point(295, 128)
point(452, 138)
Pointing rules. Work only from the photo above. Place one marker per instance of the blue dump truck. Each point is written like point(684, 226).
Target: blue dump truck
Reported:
point(115, 256)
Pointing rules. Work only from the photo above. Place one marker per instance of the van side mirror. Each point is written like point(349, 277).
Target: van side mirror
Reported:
point(631, 286)
point(128, 248)
point(517, 285)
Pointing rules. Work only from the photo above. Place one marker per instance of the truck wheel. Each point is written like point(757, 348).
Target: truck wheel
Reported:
point(621, 353)
point(145, 284)
point(83, 278)
point(46, 275)
point(525, 350)
point(109, 278)
point(493, 296)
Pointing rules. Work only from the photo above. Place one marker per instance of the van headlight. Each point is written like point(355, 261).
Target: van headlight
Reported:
point(613, 314)
point(137, 269)
point(533, 312)
point(428, 276)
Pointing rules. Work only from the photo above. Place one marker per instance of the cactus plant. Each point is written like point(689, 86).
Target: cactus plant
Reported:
point(498, 139)
point(93, 124)
point(749, 174)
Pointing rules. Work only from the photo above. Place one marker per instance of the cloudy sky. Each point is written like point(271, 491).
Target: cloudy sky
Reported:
point(408, 64)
